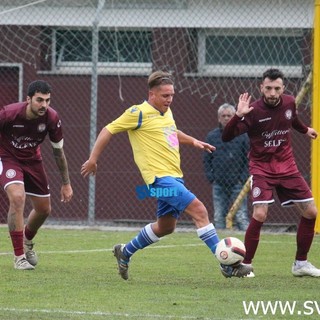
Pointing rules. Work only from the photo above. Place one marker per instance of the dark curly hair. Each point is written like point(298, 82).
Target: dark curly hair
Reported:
point(38, 86)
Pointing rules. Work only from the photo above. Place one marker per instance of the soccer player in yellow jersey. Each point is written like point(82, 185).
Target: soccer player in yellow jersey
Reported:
point(155, 142)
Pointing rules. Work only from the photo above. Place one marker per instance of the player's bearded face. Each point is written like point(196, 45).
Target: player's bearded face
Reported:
point(272, 90)
point(38, 104)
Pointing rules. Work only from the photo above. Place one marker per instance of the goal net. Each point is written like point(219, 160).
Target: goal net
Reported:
point(97, 55)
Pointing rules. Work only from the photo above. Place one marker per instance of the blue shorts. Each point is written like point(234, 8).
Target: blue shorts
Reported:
point(173, 197)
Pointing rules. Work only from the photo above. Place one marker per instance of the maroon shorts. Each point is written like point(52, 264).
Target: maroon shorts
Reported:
point(31, 174)
point(289, 189)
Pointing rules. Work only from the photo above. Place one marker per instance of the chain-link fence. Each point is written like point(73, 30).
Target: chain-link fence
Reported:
point(97, 55)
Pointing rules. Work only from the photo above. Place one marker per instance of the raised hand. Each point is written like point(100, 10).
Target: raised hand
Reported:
point(244, 105)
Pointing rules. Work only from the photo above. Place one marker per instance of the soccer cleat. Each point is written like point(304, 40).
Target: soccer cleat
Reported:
point(251, 274)
point(122, 260)
point(306, 270)
point(31, 255)
point(21, 263)
point(241, 270)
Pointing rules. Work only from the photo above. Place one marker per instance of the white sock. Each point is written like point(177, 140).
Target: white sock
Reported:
point(151, 234)
point(19, 257)
point(300, 263)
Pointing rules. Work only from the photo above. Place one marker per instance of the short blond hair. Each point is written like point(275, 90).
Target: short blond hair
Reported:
point(158, 78)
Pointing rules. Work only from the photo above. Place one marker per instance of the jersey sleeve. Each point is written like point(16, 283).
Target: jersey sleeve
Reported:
point(235, 127)
point(54, 127)
point(298, 125)
point(131, 119)
point(2, 118)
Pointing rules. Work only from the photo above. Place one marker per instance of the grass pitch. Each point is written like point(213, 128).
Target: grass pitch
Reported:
point(176, 279)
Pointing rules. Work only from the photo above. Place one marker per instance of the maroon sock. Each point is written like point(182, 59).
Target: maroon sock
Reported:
point(251, 240)
point(17, 242)
point(29, 234)
point(305, 235)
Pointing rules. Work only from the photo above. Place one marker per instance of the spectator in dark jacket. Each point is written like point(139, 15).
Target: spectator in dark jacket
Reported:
point(227, 170)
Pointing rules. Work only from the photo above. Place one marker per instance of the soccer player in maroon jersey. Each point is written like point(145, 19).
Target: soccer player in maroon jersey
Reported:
point(268, 122)
point(23, 127)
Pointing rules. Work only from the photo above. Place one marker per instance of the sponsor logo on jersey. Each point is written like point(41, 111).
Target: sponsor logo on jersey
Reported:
point(274, 133)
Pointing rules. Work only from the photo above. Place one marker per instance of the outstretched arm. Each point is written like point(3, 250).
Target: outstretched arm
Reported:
point(90, 166)
point(66, 191)
point(186, 139)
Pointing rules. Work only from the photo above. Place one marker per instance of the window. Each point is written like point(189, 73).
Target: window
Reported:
point(249, 52)
point(122, 51)
point(147, 4)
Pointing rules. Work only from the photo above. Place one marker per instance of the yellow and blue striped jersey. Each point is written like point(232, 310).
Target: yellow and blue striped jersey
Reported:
point(153, 138)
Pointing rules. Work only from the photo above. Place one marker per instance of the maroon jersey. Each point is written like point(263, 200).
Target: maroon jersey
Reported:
point(269, 130)
point(20, 137)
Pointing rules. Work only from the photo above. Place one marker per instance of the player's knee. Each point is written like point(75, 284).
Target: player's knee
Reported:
point(308, 209)
point(164, 226)
point(43, 211)
point(311, 213)
point(164, 230)
point(198, 212)
point(260, 212)
point(169, 230)
point(47, 211)
point(17, 201)
point(259, 217)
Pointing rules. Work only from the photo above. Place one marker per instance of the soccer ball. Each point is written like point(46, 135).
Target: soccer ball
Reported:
point(230, 251)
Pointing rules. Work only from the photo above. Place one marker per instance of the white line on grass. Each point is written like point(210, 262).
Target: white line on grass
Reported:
point(105, 314)
point(107, 250)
